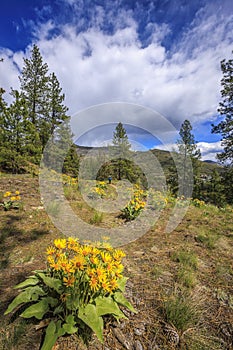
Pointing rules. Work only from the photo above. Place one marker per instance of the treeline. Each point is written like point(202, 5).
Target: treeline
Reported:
point(36, 113)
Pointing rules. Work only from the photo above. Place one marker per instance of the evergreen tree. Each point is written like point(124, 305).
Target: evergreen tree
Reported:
point(215, 190)
point(121, 150)
point(225, 127)
point(3, 107)
point(20, 137)
point(57, 110)
point(34, 87)
point(188, 151)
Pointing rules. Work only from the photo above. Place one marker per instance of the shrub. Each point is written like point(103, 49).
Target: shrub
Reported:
point(82, 284)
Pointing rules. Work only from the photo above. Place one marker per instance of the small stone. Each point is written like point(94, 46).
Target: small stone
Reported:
point(138, 345)
point(139, 330)
point(155, 249)
point(121, 338)
point(139, 252)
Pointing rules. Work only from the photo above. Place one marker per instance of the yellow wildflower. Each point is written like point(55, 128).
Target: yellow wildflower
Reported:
point(118, 254)
point(54, 265)
point(69, 281)
point(94, 283)
point(86, 250)
point(17, 193)
point(72, 243)
point(13, 198)
point(94, 260)
point(69, 268)
point(113, 284)
point(50, 250)
point(60, 243)
point(79, 261)
point(106, 257)
point(50, 260)
point(7, 194)
point(106, 286)
point(100, 272)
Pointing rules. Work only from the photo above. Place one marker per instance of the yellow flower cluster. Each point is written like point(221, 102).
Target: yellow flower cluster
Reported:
point(12, 196)
point(100, 188)
point(100, 191)
point(99, 265)
point(198, 203)
point(68, 180)
point(135, 205)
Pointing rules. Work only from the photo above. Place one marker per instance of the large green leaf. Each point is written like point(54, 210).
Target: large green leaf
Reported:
point(120, 299)
point(122, 283)
point(72, 302)
point(53, 332)
point(23, 297)
point(69, 326)
point(106, 305)
point(36, 292)
point(36, 310)
point(88, 315)
point(52, 301)
point(51, 282)
point(31, 281)
point(29, 294)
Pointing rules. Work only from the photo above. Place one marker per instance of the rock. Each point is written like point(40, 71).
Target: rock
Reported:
point(154, 249)
point(121, 338)
point(139, 330)
point(139, 252)
point(138, 345)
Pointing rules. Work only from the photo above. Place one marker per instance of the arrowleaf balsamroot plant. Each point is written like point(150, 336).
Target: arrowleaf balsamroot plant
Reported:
point(82, 284)
point(11, 200)
point(135, 205)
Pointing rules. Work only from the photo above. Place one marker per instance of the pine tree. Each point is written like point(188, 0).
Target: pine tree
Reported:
point(188, 151)
point(121, 150)
point(216, 189)
point(34, 87)
point(57, 111)
point(20, 137)
point(225, 127)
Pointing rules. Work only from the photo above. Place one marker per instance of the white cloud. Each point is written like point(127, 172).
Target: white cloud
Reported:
point(209, 150)
point(96, 67)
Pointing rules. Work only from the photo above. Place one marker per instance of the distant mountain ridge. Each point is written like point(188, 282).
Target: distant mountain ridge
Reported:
point(164, 158)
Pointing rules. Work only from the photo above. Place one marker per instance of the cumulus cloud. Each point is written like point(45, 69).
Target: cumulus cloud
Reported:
point(209, 150)
point(98, 63)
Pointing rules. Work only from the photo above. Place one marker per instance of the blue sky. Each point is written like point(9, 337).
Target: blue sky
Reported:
point(163, 55)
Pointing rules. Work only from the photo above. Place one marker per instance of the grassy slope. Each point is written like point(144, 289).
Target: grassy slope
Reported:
point(181, 283)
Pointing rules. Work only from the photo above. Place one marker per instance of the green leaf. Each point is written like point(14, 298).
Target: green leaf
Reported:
point(53, 332)
point(88, 315)
point(36, 310)
point(29, 294)
point(59, 309)
point(36, 292)
point(23, 297)
point(69, 326)
point(31, 281)
point(122, 283)
point(106, 305)
point(120, 299)
point(52, 301)
point(51, 282)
